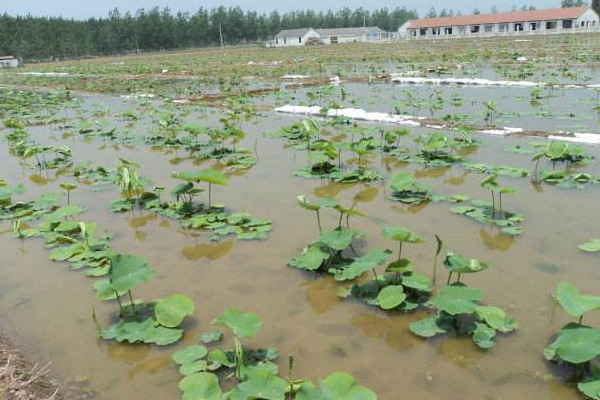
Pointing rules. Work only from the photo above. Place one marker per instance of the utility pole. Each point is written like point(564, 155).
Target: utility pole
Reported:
point(221, 35)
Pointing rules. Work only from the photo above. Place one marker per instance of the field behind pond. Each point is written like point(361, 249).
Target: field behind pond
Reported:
point(447, 213)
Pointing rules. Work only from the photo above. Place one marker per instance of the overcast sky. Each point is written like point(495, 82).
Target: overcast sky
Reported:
point(86, 8)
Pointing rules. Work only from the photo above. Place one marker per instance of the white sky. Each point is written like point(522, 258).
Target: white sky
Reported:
point(85, 8)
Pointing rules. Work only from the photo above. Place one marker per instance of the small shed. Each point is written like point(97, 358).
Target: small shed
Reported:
point(8, 62)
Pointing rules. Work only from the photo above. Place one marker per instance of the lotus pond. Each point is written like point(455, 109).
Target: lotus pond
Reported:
point(443, 242)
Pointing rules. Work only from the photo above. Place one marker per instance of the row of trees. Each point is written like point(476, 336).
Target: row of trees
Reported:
point(32, 37)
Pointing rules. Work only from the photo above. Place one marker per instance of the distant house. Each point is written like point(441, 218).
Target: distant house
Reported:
point(300, 37)
point(294, 37)
point(8, 62)
point(555, 20)
point(349, 35)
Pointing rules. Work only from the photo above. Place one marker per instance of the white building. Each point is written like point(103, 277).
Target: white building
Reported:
point(299, 37)
point(538, 22)
point(294, 37)
point(8, 62)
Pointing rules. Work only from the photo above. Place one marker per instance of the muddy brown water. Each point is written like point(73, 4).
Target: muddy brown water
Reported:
point(47, 309)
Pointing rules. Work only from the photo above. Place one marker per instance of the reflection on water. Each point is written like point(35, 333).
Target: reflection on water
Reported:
point(457, 180)
point(211, 251)
point(461, 351)
point(366, 195)
point(321, 293)
point(493, 239)
point(432, 172)
point(391, 329)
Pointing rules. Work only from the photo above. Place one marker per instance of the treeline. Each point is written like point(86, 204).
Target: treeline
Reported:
point(30, 37)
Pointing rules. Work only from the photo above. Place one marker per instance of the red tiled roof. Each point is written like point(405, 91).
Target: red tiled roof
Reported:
point(505, 17)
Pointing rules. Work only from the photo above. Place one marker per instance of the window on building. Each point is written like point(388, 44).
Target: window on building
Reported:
point(567, 23)
point(423, 31)
point(488, 28)
point(474, 29)
point(276, 41)
point(503, 27)
point(284, 40)
point(550, 24)
point(447, 31)
point(435, 31)
point(300, 39)
point(533, 26)
point(518, 27)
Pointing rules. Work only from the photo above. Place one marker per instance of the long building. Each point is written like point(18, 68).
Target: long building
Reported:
point(300, 37)
point(555, 20)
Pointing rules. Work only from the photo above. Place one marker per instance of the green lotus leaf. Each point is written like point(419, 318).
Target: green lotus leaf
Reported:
point(401, 265)
point(338, 239)
point(171, 311)
point(483, 335)
point(126, 271)
point(458, 263)
point(417, 280)
point(590, 387)
point(361, 265)
point(592, 245)
point(310, 259)
point(457, 299)
point(401, 234)
point(210, 337)
point(200, 386)
point(575, 344)
point(430, 326)
point(206, 175)
point(573, 302)
point(342, 386)
point(243, 324)
point(303, 202)
point(190, 354)
point(391, 297)
point(260, 384)
point(144, 331)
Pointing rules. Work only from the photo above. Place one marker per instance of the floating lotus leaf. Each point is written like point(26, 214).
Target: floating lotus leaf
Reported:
point(310, 259)
point(361, 265)
point(496, 318)
point(190, 354)
point(592, 245)
point(260, 384)
point(243, 324)
point(200, 386)
point(483, 335)
point(457, 299)
point(573, 302)
point(590, 387)
point(402, 181)
point(342, 386)
point(171, 311)
point(391, 297)
point(145, 332)
point(575, 344)
point(430, 326)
